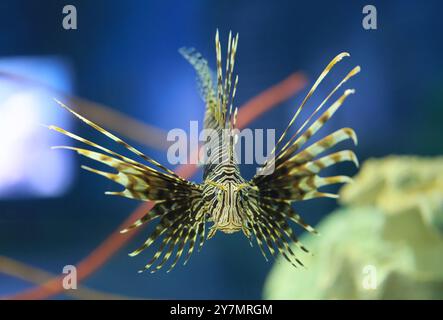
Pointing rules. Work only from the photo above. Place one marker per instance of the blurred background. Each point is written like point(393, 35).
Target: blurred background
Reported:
point(124, 56)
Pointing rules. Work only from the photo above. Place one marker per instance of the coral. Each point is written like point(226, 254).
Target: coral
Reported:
point(386, 242)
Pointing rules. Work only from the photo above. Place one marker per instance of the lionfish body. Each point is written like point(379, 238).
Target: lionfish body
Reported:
point(260, 208)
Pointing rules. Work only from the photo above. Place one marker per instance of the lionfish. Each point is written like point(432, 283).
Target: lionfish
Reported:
point(260, 208)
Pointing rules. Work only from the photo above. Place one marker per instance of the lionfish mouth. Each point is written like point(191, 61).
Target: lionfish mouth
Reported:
point(227, 228)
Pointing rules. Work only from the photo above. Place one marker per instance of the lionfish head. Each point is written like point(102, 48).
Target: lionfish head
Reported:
point(227, 212)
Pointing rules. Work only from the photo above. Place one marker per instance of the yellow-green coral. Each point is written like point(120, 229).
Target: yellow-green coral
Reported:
point(386, 242)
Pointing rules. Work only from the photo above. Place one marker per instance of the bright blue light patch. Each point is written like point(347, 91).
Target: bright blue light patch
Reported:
point(28, 166)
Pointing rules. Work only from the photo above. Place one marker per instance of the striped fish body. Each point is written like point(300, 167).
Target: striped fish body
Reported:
point(224, 190)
